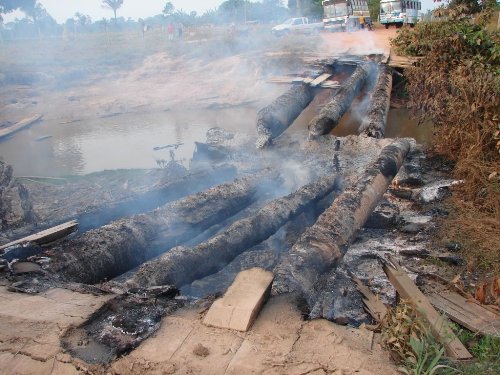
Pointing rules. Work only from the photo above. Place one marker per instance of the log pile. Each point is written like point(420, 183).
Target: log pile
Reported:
point(181, 265)
point(126, 243)
point(323, 245)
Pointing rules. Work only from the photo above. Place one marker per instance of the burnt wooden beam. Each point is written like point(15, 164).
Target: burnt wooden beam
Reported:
point(113, 249)
point(322, 245)
point(274, 119)
point(330, 114)
point(181, 265)
point(374, 122)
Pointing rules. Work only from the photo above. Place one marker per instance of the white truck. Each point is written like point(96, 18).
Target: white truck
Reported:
point(297, 25)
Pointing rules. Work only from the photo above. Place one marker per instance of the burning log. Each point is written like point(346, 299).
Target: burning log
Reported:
point(373, 124)
point(126, 243)
point(181, 265)
point(323, 245)
point(281, 113)
point(331, 114)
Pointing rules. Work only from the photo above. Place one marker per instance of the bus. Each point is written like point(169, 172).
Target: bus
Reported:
point(344, 14)
point(399, 12)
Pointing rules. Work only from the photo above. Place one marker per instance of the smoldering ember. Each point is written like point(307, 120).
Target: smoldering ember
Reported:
point(225, 193)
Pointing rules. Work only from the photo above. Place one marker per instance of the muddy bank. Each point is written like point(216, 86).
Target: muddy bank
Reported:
point(117, 247)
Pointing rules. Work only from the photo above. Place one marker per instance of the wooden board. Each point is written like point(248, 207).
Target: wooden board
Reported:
point(242, 302)
point(330, 85)
point(320, 79)
point(46, 236)
point(407, 289)
point(468, 314)
point(373, 304)
point(19, 125)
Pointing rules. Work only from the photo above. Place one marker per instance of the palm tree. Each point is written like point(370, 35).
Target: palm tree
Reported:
point(113, 4)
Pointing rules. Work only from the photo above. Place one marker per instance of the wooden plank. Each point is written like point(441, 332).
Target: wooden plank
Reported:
point(467, 313)
point(19, 125)
point(320, 79)
point(372, 303)
point(330, 85)
point(242, 302)
point(46, 236)
point(308, 80)
point(407, 289)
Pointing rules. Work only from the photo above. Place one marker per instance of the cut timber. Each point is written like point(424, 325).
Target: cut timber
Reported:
point(330, 115)
point(274, 119)
point(242, 302)
point(468, 313)
point(115, 248)
point(320, 79)
point(19, 125)
point(330, 85)
point(407, 289)
point(181, 266)
point(372, 303)
point(322, 245)
point(374, 122)
point(46, 236)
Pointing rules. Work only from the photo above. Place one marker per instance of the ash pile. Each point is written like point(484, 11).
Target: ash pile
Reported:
point(293, 205)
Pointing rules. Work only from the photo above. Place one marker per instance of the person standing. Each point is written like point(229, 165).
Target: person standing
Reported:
point(170, 31)
point(362, 22)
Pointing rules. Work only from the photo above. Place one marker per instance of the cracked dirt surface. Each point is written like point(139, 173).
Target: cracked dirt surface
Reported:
point(31, 325)
point(279, 342)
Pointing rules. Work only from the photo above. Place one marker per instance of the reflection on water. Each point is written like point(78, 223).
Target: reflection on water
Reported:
point(125, 141)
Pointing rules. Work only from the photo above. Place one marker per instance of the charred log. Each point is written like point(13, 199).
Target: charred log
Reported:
point(323, 245)
point(181, 265)
point(281, 113)
point(331, 114)
point(374, 123)
point(117, 247)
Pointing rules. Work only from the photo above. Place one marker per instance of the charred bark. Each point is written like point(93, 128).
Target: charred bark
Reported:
point(331, 114)
point(126, 243)
point(181, 265)
point(374, 123)
point(281, 113)
point(323, 245)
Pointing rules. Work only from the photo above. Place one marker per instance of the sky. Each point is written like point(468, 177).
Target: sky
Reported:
point(61, 10)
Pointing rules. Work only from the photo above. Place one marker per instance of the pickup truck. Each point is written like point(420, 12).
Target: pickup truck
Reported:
point(297, 25)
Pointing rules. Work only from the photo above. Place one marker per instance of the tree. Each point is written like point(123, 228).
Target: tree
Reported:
point(112, 4)
point(168, 10)
point(374, 7)
point(7, 6)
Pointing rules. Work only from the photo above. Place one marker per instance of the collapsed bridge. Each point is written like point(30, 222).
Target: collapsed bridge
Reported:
point(297, 205)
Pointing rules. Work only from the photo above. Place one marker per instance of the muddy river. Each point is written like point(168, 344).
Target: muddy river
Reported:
point(148, 140)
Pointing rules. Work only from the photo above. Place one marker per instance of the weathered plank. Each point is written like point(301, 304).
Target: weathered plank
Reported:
point(467, 313)
point(407, 289)
point(242, 302)
point(373, 304)
point(320, 79)
point(19, 125)
point(47, 235)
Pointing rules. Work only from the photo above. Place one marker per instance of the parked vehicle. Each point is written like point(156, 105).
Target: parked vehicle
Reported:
point(399, 12)
point(342, 15)
point(297, 25)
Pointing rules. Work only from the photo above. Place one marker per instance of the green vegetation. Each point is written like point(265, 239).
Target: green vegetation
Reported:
point(457, 85)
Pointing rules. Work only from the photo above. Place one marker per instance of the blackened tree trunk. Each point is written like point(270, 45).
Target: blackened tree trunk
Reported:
point(115, 248)
point(181, 265)
point(322, 245)
point(274, 119)
point(331, 114)
point(374, 123)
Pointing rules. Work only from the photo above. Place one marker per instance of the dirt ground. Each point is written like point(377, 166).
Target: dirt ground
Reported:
point(280, 342)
